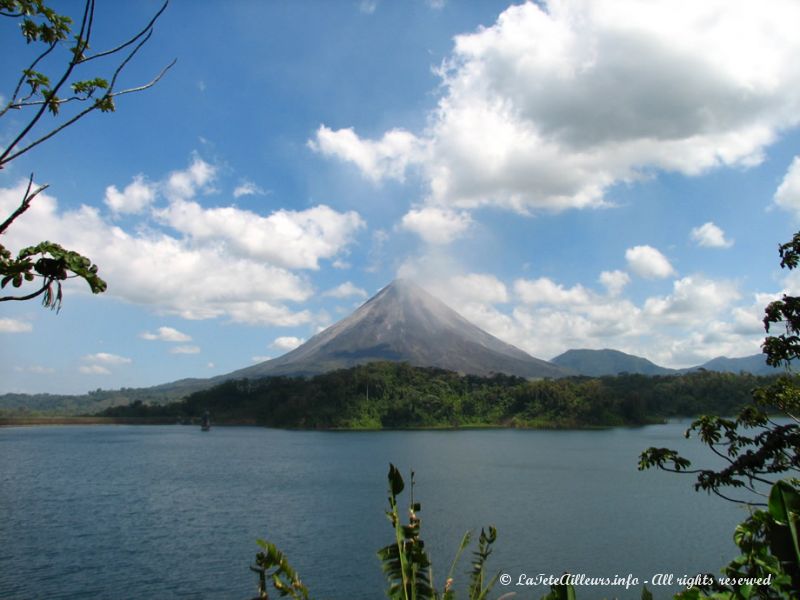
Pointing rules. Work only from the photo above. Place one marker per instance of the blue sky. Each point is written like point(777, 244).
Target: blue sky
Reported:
point(573, 174)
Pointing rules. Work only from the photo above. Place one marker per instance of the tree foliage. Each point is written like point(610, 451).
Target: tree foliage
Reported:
point(55, 83)
point(53, 265)
point(782, 349)
point(762, 459)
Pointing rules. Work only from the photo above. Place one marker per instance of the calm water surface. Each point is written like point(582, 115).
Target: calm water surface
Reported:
point(171, 512)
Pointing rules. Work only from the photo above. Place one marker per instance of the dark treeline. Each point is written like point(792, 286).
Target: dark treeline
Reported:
point(396, 395)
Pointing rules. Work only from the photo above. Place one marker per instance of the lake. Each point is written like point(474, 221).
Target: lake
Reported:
point(172, 512)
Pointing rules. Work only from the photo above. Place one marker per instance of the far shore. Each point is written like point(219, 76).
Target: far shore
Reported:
point(23, 421)
point(66, 420)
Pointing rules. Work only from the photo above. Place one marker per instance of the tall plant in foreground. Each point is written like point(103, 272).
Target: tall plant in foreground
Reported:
point(763, 460)
point(405, 562)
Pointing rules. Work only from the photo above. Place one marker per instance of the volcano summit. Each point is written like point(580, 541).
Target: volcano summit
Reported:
point(404, 323)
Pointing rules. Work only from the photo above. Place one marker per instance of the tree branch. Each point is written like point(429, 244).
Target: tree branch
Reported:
point(724, 497)
point(127, 59)
point(144, 30)
point(148, 85)
point(48, 135)
point(720, 454)
point(60, 101)
point(80, 46)
point(24, 205)
point(12, 102)
point(28, 297)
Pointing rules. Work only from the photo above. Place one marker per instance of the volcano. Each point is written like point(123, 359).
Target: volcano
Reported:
point(404, 323)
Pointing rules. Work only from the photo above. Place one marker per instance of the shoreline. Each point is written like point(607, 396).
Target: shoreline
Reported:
point(15, 421)
point(78, 420)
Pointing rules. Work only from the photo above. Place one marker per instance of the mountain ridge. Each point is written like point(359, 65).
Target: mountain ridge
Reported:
point(597, 363)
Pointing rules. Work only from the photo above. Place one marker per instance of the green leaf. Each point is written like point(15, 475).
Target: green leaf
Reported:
point(396, 484)
point(105, 104)
point(784, 502)
point(784, 508)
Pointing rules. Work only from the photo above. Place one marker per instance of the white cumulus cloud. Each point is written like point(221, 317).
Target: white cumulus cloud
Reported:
point(183, 184)
point(648, 262)
point(437, 225)
point(556, 102)
point(787, 196)
point(546, 291)
point(137, 195)
point(346, 290)
point(287, 342)
point(699, 320)
point(260, 312)
point(214, 262)
point(247, 188)
point(14, 326)
point(693, 298)
point(166, 334)
point(286, 238)
point(386, 158)
point(478, 287)
point(710, 236)
point(614, 281)
point(101, 363)
point(107, 359)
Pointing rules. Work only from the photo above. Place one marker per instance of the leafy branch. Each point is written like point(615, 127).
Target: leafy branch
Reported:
point(37, 93)
point(756, 448)
point(40, 23)
point(54, 265)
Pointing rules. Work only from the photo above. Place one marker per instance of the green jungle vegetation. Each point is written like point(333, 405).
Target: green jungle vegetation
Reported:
point(16, 406)
point(386, 395)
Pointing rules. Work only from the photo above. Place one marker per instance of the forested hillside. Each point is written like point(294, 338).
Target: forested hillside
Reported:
point(32, 405)
point(392, 395)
